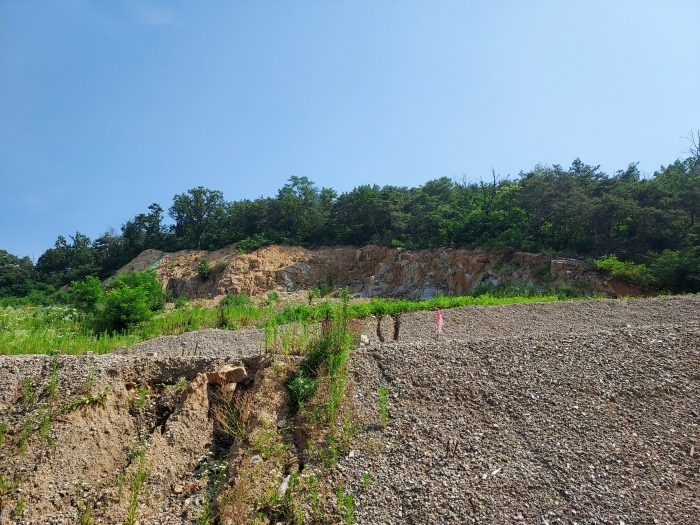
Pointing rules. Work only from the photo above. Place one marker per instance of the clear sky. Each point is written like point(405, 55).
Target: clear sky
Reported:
point(106, 107)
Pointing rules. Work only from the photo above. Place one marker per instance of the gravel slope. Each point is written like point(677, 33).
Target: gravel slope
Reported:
point(565, 422)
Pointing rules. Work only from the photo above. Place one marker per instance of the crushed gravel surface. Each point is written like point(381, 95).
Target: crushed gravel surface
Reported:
point(593, 419)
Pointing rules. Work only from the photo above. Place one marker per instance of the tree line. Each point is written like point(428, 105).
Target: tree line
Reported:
point(579, 211)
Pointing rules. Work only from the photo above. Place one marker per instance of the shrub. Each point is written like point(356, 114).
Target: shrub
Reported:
point(626, 271)
point(676, 271)
point(147, 282)
point(251, 244)
point(204, 269)
point(130, 299)
point(239, 299)
point(88, 293)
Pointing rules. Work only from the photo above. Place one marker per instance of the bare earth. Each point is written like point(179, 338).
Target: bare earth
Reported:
point(580, 412)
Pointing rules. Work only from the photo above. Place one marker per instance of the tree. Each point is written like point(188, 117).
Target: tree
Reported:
point(199, 217)
point(15, 275)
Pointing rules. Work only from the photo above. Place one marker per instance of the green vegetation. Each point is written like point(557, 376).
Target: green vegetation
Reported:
point(137, 483)
point(43, 330)
point(383, 406)
point(579, 210)
point(204, 269)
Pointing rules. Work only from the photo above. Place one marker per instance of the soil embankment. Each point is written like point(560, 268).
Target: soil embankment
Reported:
point(579, 412)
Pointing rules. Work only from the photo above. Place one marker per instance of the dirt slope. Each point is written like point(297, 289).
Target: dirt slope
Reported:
point(368, 271)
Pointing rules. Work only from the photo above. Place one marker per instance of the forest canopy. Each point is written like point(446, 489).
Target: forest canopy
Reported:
point(624, 218)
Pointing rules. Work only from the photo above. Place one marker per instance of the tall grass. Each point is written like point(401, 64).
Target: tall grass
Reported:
point(42, 330)
point(380, 307)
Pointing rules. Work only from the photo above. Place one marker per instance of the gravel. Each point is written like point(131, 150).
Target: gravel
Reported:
point(591, 418)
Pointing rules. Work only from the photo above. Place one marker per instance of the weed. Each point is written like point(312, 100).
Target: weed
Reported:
point(221, 265)
point(366, 480)
point(383, 406)
point(120, 485)
point(214, 472)
point(28, 395)
point(53, 377)
point(85, 513)
point(3, 429)
point(301, 388)
point(346, 505)
point(140, 401)
point(233, 416)
point(26, 429)
point(88, 400)
point(45, 426)
point(136, 486)
point(90, 380)
point(19, 508)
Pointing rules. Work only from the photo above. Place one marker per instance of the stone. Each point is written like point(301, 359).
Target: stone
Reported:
point(227, 374)
point(233, 374)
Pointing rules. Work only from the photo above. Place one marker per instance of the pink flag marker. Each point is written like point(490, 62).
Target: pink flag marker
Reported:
point(439, 321)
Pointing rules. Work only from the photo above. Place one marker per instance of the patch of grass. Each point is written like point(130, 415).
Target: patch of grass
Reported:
point(383, 406)
point(137, 484)
point(380, 307)
point(233, 416)
point(346, 506)
point(87, 400)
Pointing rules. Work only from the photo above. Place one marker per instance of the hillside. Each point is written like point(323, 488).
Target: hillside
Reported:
point(368, 271)
point(579, 412)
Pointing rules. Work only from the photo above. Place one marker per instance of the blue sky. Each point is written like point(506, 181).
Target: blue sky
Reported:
point(106, 107)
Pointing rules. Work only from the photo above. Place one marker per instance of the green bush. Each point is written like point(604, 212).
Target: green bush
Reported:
point(147, 282)
point(204, 269)
point(626, 271)
point(676, 271)
point(124, 307)
point(130, 299)
point(301, 388)
point(239, 299)
point(251, 244)
point(88, 293)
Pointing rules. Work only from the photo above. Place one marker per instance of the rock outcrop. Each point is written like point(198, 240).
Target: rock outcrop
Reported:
point(369, 271)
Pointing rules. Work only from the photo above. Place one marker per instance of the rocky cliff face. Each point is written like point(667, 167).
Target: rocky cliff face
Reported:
point(368, 271)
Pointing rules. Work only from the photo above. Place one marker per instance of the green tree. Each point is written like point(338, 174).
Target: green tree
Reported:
point(199, 217)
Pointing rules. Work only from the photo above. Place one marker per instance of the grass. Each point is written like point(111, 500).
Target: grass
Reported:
point(136, 485)
point(383, 406)
point(379, 307)
point(45, 330)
